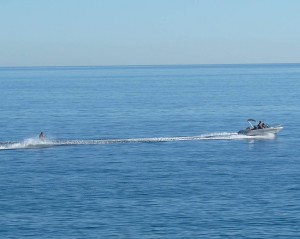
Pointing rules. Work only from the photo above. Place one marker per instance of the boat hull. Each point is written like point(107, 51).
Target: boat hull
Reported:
point(257, 132)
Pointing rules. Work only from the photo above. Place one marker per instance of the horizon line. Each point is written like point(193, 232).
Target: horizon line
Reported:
point(148, 65)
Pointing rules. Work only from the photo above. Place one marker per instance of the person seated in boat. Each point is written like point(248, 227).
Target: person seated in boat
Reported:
point(261, 125)
point(42, 136)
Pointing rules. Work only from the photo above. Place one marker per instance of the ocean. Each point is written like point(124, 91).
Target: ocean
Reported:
point(149, 152)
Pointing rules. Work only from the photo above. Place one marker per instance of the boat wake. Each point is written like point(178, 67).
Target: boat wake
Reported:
point(32, 143)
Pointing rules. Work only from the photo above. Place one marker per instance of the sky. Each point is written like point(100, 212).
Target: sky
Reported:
point(148, 32)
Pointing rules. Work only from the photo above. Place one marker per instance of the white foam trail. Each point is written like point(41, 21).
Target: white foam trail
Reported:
point(27, 143)
point(36, 143)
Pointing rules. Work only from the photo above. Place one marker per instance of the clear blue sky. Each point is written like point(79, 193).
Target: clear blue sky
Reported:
point(146, 32)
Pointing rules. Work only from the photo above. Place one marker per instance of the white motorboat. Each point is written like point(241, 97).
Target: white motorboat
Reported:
point(260, 129)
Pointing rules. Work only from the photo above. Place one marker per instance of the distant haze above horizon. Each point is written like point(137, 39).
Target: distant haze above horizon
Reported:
point(137, 32)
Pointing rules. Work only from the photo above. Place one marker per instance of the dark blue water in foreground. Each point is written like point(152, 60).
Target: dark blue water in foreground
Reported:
point(149, 152)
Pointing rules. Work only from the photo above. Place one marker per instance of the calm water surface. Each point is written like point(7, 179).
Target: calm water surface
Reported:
point(149, 152)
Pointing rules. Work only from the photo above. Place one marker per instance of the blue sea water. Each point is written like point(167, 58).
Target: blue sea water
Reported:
point(149, 152)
